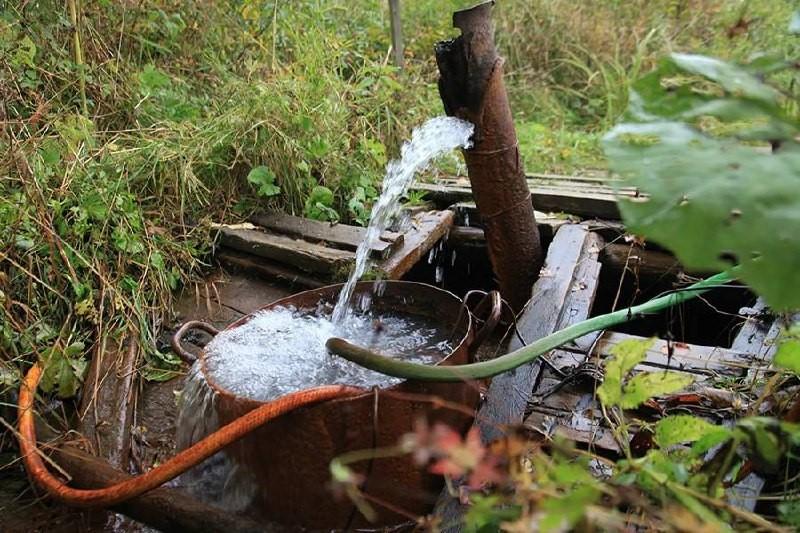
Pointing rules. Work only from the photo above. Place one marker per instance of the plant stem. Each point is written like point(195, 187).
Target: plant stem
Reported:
point(76, 41)
point(526, 354)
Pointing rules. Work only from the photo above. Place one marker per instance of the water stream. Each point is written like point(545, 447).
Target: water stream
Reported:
point(437, 136)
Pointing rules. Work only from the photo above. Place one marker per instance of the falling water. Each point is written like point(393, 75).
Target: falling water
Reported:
point(437, 136)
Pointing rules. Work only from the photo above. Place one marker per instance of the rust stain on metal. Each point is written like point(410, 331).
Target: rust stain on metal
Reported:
point(471, 87)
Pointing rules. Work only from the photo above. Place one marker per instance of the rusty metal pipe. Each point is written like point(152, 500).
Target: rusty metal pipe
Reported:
point(471, 87)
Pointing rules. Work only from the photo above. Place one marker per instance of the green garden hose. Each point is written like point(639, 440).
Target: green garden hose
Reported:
point(526, 354)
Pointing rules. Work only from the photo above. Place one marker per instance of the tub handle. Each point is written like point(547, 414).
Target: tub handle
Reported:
point(494, 304)
point(184, 354)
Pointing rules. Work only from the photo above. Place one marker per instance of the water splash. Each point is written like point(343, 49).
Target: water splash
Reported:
point(436, 137)
point(282, 350)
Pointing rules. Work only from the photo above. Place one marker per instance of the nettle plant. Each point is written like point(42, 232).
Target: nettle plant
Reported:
point(712, 146)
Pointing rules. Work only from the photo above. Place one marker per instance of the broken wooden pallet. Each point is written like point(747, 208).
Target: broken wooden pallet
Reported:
point(305, 251)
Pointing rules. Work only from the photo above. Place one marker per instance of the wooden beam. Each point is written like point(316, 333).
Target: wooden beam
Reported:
point(588, 201)
point(337, 235)
point(561, 296)
point(426, 230)
point(166, 509)
point(108, 399)
point(702, 361)
point(756, 339)
point(296, 252)
point(267, 269)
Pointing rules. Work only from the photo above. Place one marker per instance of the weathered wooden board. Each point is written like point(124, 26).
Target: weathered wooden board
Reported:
point(108, 399)
point(426, 230)
point(468, 227)
point(572, 412)
point(338, 235)
point(704, 361)
point(268, 269)
point(302, 254)
point(561, 296)
point(756, 339)
point(579, 196)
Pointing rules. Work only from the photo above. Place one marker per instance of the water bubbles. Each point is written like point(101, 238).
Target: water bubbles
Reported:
point(282, 350)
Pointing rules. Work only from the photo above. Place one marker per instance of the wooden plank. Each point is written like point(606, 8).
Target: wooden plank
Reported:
point(643, 262)
point(556, 302)
point(469, 220)
point(707, 361)
point(109, 396)
point(338, 235)
point(296, 252)
point(756, 339)
point(426, 230)
point(589, 204)
point(166, 509)
point(561, 296)
point(267, 269)
point(571, 413)
point(467, 215)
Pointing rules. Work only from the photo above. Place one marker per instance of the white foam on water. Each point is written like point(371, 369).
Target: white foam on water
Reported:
point(436, 137)
point(282, 350)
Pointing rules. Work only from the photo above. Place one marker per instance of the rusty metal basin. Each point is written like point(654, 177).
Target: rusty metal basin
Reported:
point(290, 456)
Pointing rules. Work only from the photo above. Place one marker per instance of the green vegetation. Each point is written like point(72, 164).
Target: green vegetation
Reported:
point(126, 128)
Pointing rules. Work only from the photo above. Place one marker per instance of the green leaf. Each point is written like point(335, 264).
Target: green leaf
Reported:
point(63, 370)
point(487, 513)
point(766, 440)
point(707, 197)
point(563, 512)
point(25, 53)
point(684, 428)
point(732, 78)
point(264, 180)
point(95, 206)
point(319, 205)
point(789, 511)
point(788, 354)
point(152, 79)
point(624, 357)
point(644, 386)
point(709, 202)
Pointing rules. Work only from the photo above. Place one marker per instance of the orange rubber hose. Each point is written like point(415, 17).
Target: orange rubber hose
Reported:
point(177, 465)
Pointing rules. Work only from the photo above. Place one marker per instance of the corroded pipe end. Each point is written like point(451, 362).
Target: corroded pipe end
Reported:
point(471, 87)
point(466, 62)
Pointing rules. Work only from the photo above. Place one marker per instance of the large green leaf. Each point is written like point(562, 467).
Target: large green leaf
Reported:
point(624, 357)
point(263, 179)
point(706, 192)
point(788, 354)
point(685, 428)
